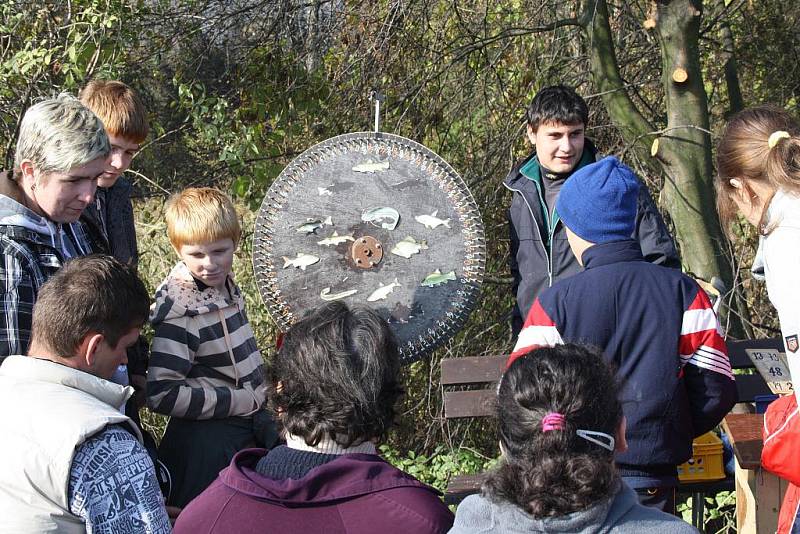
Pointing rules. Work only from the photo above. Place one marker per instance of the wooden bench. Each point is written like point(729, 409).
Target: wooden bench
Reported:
point(470, 389)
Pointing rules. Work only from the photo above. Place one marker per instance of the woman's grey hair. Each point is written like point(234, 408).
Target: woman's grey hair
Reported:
point(336, 376)
point(58, 134)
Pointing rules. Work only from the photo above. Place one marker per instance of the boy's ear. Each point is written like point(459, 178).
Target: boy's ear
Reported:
point(531, 135)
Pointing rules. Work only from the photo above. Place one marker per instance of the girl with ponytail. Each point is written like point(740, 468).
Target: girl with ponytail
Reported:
point(560, 423)
point(758, 165)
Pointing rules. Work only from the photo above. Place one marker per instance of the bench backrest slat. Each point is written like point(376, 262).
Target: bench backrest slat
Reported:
point(477, 403)
point(472, 370)
point(486, 370)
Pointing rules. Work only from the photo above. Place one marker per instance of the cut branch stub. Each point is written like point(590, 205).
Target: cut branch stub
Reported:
point(679, 75)
point(649, 24)
point(654, 147)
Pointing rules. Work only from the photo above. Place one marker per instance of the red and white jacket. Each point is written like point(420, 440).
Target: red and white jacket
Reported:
point(657, 326)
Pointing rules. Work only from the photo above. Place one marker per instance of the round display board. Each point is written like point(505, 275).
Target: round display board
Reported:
point(372, 219)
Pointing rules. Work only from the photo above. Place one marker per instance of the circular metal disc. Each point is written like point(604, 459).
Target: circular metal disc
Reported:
point(389, 189)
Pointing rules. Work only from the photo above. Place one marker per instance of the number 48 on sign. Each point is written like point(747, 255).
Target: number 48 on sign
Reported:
point(771, 365)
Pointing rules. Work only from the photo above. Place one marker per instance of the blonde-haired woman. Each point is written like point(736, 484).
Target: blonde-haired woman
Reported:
point(758, 164)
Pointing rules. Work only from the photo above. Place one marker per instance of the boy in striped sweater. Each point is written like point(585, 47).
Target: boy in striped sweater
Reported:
point(205, 370)
point(655, 324)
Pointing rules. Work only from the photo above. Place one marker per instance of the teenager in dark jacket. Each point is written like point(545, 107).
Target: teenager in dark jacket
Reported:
point(560, 421)
point(333, 386)
point(540, 254)
point(655, 324)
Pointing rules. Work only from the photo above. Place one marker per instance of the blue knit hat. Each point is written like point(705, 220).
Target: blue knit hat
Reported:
point(599, 201)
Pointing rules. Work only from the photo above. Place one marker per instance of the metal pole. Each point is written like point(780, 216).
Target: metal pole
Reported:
point(378, 98)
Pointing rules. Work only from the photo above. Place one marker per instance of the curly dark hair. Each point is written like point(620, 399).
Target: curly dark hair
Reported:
point(336, 376)
point(557, 472)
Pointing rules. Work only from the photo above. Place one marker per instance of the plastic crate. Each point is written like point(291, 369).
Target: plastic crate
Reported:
point(706, 461)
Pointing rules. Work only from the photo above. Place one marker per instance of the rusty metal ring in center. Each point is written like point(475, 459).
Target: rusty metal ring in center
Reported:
point(367, 252)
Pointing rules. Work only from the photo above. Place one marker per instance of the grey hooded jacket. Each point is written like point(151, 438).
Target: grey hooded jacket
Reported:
point(32, 249)
point(619, 514)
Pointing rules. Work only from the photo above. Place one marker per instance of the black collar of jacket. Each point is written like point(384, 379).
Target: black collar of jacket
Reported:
point(612, 252)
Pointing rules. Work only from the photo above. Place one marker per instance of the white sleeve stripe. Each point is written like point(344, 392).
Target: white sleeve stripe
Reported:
point(534, 335)
point(711, 367)
point(711, 361)
point(709, 352)
point(699, 320)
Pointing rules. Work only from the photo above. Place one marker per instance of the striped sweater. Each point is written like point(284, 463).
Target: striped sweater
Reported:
point(657, 327)
point(204, 362)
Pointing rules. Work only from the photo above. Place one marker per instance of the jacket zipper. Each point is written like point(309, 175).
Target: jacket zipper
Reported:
point(549, 255)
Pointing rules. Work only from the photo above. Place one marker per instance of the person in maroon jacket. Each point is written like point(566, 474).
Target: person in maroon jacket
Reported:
point(333, 387)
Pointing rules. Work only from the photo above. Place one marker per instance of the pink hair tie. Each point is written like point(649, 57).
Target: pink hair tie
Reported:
point(552, 421)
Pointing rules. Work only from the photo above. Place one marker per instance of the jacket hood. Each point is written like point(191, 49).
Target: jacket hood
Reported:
point(480, 514)
point(347, 477)
point(180, 294)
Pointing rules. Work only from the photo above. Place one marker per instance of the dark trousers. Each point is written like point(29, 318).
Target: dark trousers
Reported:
point(659, 498)
point(195, 451)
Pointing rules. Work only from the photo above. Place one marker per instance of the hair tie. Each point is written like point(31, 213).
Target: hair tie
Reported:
point(775, 137)
point(553, 421)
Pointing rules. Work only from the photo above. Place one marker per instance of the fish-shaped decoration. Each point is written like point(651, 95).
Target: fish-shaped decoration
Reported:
point(324, 191)
point(385, 217)
point(383, 291)
point(432, 221)
point(372, 166)
point(405, 184)
point(408, 247)
point(335, 239)
point(326, 294)
point(311, 225)
point(436, 278)
point(302, 261)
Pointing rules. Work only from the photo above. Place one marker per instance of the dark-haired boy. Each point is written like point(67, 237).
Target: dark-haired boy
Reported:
point(654, 324)
point(540, 255)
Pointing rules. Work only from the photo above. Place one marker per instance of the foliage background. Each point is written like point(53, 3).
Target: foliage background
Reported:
point(237, 88)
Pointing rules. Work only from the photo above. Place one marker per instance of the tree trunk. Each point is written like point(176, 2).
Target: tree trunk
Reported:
point(735, 100)
point(685, 149)
point(684, 146)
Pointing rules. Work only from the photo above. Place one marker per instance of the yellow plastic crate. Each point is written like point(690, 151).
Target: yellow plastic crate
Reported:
point(706, 461)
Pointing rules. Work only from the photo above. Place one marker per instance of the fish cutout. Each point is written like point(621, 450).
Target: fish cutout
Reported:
point(302, 261)
point(383, 291)
point(311, 225)
point(432, 221)
point(436, 278)
point(372, 167)
point(408, 247)
point(384, 217)
point(335, 239)
point(326, 294)
point(405, 184)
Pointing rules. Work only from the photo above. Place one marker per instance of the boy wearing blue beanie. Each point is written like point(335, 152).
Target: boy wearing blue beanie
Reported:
point(655, 324)
point(540, 255)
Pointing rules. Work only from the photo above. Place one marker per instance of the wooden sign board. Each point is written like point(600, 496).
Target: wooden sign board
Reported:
point(771, 365)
